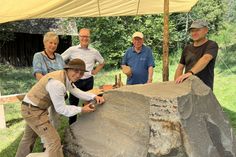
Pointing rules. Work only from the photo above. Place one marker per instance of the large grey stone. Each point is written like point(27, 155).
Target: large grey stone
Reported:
point(154, 120)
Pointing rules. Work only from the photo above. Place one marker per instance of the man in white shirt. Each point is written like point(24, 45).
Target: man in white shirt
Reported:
point(50, 90)
point(90, 56)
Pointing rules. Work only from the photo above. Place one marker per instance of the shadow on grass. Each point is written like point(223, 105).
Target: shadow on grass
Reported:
point(232, 118)
point(10, 151)
point(13, 121)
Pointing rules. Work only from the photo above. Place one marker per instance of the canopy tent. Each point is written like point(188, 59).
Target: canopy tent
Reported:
point(11, 10)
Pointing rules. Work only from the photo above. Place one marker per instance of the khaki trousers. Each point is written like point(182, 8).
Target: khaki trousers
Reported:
point(54, 119)
point(37, 124)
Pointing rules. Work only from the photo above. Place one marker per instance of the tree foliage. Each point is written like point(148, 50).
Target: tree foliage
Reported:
point(230, 7)
point(112, 35)
point(211, 10)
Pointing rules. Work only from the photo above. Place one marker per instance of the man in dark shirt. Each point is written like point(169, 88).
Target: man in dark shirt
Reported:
point(199, 57)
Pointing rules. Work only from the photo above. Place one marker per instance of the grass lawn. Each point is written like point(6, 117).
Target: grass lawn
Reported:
point(224, 89)
point(17, 80)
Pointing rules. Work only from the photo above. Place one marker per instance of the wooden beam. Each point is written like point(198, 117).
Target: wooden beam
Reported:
point(12, 98)
point(4, 100)
point(2, 117)
point(165, 59)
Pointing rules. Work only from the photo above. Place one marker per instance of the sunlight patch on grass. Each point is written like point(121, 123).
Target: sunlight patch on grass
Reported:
point(224, 89)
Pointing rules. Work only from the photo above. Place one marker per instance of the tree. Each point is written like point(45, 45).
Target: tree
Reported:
point(112, 35)
point(211, 10)
point(230, 15)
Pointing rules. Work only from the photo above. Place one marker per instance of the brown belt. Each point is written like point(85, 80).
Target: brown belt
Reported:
point(29, 105)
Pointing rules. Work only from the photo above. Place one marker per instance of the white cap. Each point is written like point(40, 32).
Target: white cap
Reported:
point(138, 34)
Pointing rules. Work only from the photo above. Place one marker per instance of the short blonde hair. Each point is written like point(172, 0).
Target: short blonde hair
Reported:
point(50, 35)
point(84, 29)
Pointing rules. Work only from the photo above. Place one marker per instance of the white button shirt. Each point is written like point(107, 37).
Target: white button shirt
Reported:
point(57, 90)
point(89, 55)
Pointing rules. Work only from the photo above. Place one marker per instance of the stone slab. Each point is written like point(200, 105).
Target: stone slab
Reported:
point(154, 120)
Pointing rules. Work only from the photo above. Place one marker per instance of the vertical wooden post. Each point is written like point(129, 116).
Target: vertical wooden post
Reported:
point(165, 58)
point(116, 82)
point(120, 83)
point(2, 116)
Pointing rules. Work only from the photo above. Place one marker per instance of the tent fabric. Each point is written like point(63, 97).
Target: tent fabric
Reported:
point(12, 10)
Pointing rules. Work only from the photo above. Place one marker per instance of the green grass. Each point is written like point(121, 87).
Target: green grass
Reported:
point(19, 80)
point(11, 136)
point(15, 80)
point(224, 90)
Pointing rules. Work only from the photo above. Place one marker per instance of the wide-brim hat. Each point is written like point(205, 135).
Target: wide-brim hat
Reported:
point(76, 64)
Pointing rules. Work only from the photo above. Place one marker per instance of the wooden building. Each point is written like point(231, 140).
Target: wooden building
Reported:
point(20, 51)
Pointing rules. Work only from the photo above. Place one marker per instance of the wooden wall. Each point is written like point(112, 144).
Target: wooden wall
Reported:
point(20, 51)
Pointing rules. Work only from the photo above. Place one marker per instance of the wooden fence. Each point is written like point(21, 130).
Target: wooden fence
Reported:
point(8, 99)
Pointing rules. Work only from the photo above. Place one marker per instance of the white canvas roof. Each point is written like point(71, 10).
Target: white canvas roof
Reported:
point(12, 10)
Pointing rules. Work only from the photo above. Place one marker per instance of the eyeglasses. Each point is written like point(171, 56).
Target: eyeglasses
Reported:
point(83, 36)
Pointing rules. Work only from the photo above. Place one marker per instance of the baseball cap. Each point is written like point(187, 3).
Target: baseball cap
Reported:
point(200, 23)
point(138, 34)
point(76, 64)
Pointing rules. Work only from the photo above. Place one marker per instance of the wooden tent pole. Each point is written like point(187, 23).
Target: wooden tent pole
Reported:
point(165, 75)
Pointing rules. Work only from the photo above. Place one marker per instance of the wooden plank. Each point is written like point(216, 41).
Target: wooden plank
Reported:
point(12, 98)
point(19, 97)
point(2, 116)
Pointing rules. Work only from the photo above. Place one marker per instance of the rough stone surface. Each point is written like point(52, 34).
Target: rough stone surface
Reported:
point(154, 120)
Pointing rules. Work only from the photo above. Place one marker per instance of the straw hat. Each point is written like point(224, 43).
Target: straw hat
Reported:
point(127, 70)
